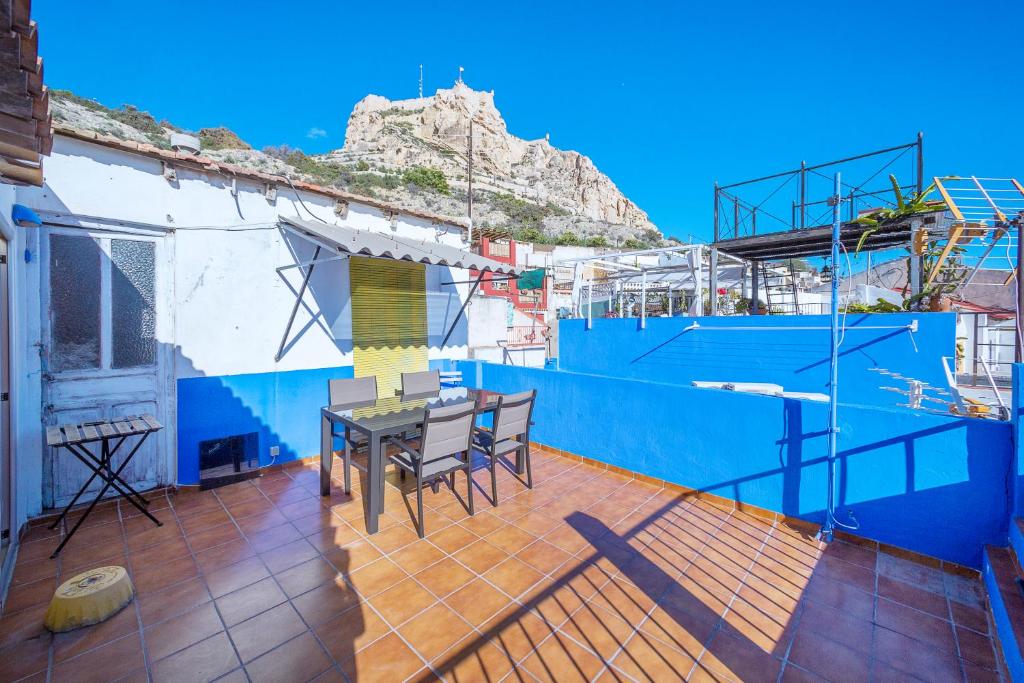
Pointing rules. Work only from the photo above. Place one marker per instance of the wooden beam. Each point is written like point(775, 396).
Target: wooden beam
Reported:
point(18, 125)
point(16, 152)
point(21, 14)
point(35, 78)
point(949, 200)
point(18, 140)
point(954, 235)
point(30, 48)
point(41, 105)
point(32, 175)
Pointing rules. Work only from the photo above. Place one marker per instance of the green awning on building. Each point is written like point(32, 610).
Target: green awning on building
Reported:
point(531, 279)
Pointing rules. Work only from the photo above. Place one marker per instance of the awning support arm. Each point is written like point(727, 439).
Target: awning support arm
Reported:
point(465, 303)
point(493, 279)
point(298, 302)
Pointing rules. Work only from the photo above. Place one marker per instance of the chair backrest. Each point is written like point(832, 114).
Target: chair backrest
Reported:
point(512, 416)
point(421, 382)
point(343, 391)
point(447, 430)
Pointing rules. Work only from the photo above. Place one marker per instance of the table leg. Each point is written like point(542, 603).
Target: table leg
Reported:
point(520, 460)
point(375, 472)
point(115, 475)
point(326, 455)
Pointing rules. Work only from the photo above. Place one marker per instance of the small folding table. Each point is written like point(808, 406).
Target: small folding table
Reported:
point(75, 438)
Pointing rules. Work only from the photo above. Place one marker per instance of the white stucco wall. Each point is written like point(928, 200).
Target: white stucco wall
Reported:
point(231, 304)
point(229, 301)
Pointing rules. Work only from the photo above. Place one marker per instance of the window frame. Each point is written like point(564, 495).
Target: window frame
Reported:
point(104, 241)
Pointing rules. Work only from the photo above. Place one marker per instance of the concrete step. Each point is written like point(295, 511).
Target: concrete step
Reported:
point(1006, 600)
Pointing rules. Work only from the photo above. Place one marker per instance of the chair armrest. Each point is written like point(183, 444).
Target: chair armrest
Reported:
point(404, 446)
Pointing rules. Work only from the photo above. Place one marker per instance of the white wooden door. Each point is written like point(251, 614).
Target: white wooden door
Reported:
point(106, 308)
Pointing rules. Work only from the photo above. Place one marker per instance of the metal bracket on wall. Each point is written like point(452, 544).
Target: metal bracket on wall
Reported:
point(462, 310)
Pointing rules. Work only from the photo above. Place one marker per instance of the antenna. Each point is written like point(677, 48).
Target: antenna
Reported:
point(421, 81)
point(461, 69)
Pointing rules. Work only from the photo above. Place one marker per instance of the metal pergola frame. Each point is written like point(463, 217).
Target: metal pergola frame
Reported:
point(633, 269)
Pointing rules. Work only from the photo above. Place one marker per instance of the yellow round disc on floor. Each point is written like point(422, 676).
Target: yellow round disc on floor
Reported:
point(89, 598)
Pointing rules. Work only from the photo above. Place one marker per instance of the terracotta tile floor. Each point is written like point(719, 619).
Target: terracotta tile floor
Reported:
point(587, 576)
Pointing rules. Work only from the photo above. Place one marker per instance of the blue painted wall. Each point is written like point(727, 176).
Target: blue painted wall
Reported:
point(283, 408)
point(931, 483)
point(798, 359)
point(1017, 420)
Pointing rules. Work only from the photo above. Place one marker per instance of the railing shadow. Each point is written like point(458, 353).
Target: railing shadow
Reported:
point(602, 596)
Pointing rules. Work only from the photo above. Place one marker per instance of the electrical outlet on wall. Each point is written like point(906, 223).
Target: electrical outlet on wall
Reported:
point(275, 451)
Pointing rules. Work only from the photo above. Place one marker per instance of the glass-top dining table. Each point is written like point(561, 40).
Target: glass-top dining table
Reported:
point(389, 416)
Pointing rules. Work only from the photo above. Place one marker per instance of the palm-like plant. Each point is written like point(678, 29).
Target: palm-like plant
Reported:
point(905, 206)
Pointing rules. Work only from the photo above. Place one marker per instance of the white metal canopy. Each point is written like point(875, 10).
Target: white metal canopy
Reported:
point(379, 245)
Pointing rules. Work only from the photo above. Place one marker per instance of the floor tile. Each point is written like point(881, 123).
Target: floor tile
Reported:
point(444, 577)
point(239, 575)
point(351, 631)
point(207, 660)
point(434, 631)
point(73, 643)
point(265, 631)
point(307, 576)
point(481, 556)
point(543, 556)
point(288, 555)
point(513, 576)
point(108, 662)
point(388, 659)
point(376, 577)
point(559, 659)
point(402, 601)
point(477, 601)
point(179, 632)
point(299, 659)
point(325, 602)
point(918, 625)
point(250, 601)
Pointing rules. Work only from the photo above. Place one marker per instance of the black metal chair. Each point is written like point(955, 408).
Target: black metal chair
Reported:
point(348, 392)
point(444, 449)
point(510, 434)
point(421, 382)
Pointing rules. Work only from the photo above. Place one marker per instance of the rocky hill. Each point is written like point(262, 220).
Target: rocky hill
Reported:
point(415, 153)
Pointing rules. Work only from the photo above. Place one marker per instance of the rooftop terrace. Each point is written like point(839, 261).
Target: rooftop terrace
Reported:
point(591, 575)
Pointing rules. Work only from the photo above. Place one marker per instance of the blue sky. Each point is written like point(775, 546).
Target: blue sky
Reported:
point(666, 97)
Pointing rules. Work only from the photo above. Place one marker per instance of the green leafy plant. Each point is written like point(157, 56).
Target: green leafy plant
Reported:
point(905, 206)
point(569, 238)
point(427, 179)
point(880, 306)
point(597, 241)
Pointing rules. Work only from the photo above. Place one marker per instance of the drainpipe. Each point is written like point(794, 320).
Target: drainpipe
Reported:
point(643, 300)
point(590, 304)
point(713, 282)
point(698, 262)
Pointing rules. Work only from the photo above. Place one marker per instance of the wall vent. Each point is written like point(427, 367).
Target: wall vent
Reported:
point(228, 459)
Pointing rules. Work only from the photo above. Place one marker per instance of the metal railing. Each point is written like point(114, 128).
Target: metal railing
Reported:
point(526, 335)
point(987, 341)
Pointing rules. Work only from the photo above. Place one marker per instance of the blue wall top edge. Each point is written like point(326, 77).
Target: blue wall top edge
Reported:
point(776, 349)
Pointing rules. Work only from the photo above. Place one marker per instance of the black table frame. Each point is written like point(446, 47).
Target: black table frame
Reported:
point(331, 415)
point(102, 464)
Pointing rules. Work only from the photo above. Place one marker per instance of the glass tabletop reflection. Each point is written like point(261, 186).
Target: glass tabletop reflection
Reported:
point(399, 412)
